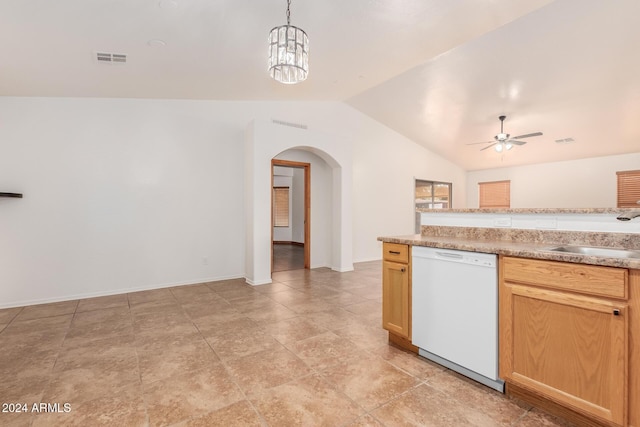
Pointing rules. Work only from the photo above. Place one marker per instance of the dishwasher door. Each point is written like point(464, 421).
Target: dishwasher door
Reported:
point(455, 311)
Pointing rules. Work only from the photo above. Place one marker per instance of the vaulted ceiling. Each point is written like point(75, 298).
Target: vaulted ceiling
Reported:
point(439, 72)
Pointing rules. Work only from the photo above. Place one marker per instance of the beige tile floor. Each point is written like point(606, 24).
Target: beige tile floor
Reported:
point(306, 350)
point(287, 257)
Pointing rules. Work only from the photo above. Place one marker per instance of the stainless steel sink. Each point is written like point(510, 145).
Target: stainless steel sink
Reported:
point(598, 251)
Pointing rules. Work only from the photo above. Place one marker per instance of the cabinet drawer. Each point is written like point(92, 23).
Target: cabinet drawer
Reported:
point(586, 279)
point(395, 252)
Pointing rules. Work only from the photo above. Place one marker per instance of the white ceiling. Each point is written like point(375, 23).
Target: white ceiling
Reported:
point(437, 71)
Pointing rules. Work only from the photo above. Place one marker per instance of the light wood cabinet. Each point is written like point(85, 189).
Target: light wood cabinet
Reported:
point(396, 291)
point(395, 298)
point(565, 335)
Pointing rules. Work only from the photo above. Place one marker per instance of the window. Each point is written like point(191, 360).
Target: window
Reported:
point(280, 206)
point(628, 189)
point(431, 195)
point(495, 194)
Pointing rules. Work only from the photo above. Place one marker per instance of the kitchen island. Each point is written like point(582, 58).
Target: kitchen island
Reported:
point(569, 323)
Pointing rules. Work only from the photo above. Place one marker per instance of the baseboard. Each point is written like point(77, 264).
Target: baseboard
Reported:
point(402, 343)
point(116, 291)
point(552, 407)
point(258, 282)
point(367, 260)
point(286, 242)
point(344, 269)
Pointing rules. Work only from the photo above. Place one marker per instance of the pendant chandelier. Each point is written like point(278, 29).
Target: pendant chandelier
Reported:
point(288, 52)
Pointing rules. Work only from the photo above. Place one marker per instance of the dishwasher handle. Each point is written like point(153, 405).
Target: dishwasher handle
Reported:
point(449, 255)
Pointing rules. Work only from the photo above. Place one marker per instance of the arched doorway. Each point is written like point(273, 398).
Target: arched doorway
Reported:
point(266, 140)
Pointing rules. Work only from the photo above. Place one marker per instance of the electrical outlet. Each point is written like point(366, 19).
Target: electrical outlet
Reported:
point(547, 224)
point(502, 222)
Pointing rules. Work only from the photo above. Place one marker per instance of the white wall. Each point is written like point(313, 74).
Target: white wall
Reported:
point(124, 194)
point(384, 172)
point(585, 183)
point(297, 208)
point(118, 195)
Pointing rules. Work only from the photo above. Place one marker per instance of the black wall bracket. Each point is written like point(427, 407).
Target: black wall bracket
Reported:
point(19, 195)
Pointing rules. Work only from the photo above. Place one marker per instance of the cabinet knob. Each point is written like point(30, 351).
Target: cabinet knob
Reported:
point(402, 269)
point(616, 312)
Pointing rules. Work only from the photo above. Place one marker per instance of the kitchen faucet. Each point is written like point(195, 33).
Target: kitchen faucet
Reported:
point(627, 216)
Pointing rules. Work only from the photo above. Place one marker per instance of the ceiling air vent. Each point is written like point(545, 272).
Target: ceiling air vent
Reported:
point(293, 125)
point(111, 58)
point(565, 141)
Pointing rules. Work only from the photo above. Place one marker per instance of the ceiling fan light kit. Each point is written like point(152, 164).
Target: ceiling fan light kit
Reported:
point(499, 147)
point(288, 52)
point(503, 141)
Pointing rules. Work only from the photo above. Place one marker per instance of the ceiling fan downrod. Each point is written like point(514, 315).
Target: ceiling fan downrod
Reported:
point(502, 137)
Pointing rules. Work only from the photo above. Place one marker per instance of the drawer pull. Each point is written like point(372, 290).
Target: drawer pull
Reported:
point(395, 252)
point(616, 312)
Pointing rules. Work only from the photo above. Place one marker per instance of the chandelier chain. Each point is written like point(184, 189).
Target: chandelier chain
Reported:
point(288, 12)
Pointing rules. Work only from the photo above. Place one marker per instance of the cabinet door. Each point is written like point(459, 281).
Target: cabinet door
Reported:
point(395, 298)
point(568, 347)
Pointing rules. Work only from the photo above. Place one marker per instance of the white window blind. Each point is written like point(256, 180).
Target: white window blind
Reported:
point(495, 194)
point(280, 206)
point(628, 189)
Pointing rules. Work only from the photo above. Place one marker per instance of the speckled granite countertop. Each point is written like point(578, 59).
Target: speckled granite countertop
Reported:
point(533, 246)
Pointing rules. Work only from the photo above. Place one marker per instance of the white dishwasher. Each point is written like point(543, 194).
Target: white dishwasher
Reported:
point(455, 311)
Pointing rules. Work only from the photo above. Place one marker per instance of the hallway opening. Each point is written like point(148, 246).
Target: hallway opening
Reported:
point(290, 215)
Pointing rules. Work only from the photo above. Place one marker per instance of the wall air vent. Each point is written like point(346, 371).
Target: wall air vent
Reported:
point(565, 141)
point(111, 58)
point(293, 125)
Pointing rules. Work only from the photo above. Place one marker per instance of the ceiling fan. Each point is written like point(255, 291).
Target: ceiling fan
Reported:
point(503, 141)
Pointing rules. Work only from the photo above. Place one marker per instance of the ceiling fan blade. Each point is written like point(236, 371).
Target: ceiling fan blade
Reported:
point(488, 146)
point(484, 142)
point(514, 142)
point(528, 135)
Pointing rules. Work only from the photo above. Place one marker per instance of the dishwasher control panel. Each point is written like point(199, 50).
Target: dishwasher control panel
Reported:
point(465, 257)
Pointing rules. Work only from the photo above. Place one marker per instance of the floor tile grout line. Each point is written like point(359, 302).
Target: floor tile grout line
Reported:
point(142, 383)
point(218, 356)
point(449, 372)
point(135, 349)
point(521, 417)
point(246, 398)
point(14, 317)
point(226, 368)
point(397, 397)
point(314, 371)
point(55, 362)
point(368, 412)
point(335, 387)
